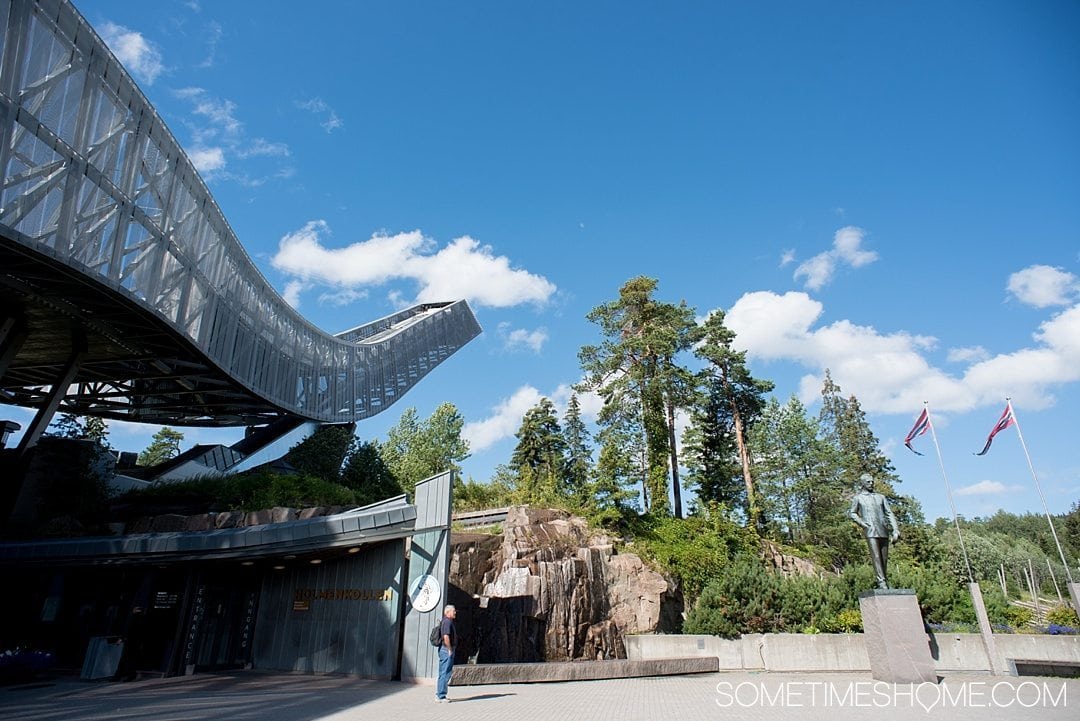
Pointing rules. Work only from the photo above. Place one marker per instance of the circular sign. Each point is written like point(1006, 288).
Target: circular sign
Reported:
point(425, 593)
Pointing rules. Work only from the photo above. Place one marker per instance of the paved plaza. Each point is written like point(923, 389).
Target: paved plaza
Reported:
point(255, 696)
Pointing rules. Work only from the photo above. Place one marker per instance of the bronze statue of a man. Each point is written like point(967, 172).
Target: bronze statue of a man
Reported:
point(874, 515)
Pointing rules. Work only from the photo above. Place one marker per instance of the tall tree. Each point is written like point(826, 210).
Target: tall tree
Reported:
point(709, 451)
point(744, 395)
point(366, 473)
point(415, 450)
point(540, 455)
point(578, 453)
point(164, 445)
point(636, 365)
point(844, 424)
point(322, 453)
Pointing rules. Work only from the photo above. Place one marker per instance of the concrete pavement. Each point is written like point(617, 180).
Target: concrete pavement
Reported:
point(257, 696)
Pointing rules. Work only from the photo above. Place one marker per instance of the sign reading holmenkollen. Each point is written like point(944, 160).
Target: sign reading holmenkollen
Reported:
point(343, 594)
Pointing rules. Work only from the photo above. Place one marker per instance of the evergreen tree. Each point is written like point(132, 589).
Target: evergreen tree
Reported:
point(97, 430)
point(164, 446)
point(540, 455)
point(744, 395)
point(636, 366)
point(709, 450)
point(366, 473)
point(578, 454)
point(67, 425)
point(322, 453)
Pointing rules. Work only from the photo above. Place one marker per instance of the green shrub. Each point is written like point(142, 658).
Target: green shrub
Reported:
point(847, 621)
point(1063, 616)
point(694, 549)
point(1019, 617)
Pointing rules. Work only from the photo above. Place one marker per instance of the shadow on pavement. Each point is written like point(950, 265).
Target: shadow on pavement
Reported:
point(480, 697)
point(239, 696)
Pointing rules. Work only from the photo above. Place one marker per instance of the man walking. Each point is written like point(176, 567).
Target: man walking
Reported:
point(446, 653)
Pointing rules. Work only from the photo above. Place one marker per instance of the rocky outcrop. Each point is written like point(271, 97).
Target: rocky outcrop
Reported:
point(549, 589)
point(787, 564)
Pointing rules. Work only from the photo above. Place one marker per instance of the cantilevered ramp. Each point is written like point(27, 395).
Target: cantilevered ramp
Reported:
point(121, 278)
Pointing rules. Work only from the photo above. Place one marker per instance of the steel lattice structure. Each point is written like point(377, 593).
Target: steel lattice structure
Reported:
point(121, 278)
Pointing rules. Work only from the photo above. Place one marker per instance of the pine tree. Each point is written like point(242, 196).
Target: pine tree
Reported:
point(578, 454)
point(366, 473)
point(636, 365)
point(540, 455)
point(164, 446)
point(744, 395)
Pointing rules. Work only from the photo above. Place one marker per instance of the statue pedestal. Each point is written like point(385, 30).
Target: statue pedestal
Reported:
point(895, 637)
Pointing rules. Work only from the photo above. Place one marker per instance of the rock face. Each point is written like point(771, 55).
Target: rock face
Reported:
point(548, 589)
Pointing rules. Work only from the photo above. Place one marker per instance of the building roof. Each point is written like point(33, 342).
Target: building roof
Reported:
point(385, 520)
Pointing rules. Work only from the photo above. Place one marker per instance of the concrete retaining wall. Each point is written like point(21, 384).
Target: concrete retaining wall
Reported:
point(952, 652)
point(488, 673)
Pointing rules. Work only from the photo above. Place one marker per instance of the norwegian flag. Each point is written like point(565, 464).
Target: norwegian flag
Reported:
point(1007, 419)
point(922, 425)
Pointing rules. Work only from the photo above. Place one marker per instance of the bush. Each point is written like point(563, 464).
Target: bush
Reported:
point(694, 549)
point(1019, 617)
point(847, 621)
point(750, 598)
point(1063, 616)
point(251, 491)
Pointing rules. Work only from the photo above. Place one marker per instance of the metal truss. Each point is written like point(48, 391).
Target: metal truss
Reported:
point(109, 235)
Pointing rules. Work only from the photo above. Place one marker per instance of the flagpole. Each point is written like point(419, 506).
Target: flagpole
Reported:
point(1038, 487)
point(948, 493)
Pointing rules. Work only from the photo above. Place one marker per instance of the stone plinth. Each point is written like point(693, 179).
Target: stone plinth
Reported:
point(895, 636)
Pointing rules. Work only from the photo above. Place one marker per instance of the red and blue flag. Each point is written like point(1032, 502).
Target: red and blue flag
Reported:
point(922, 425)
point(1007, 419)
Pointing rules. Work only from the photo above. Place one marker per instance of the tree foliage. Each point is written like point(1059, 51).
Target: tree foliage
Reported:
point(164, 446)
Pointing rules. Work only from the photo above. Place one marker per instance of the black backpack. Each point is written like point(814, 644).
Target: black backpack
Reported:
point(436, 635)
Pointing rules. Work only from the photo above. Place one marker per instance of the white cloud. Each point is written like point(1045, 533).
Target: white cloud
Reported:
point(258, 147)
point(889, 372)
point(1042, 286)
point(207, 160)
point(505, 418)
point(462, 269)
point(847, 249)
point(212, 37)
point(292, 291)
point(503, 422)
point(516, 338)
point(967, 355)
point(985, 488)
point(140, 56)
point(342, 297)
point(220, 113)
point(787, 257)
point(318, 106)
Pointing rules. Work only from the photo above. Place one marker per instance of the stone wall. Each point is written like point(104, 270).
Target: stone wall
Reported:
point(549, 589)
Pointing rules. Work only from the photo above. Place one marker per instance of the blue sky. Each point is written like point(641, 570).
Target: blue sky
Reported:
point(889, 190)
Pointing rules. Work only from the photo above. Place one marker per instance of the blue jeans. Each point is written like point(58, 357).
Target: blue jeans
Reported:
point(446, 670)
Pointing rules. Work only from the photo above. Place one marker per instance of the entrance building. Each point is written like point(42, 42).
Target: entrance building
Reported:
point(328, 594)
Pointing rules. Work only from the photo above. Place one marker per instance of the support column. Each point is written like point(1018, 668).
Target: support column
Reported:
point(56, 393)
point(985, 629)
point(12, 334)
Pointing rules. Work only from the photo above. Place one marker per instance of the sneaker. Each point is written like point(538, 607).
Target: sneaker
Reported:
point(442, 700)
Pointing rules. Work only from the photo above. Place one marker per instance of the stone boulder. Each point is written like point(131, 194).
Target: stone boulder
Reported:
point(550, 589)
